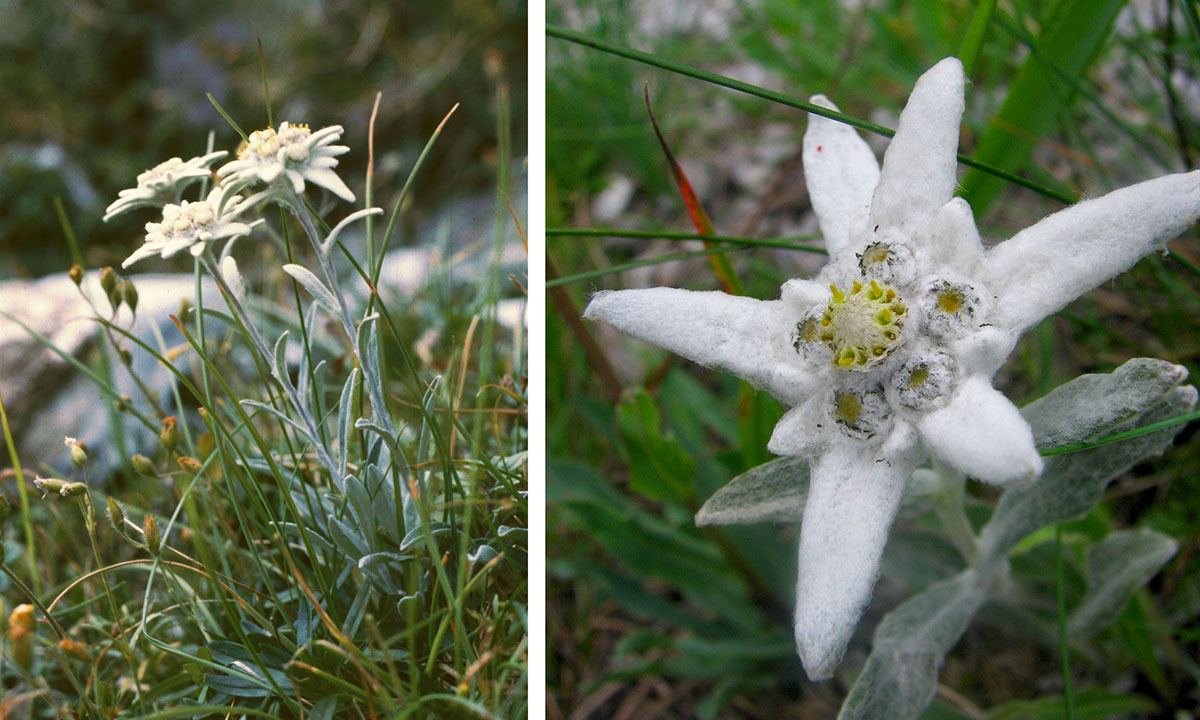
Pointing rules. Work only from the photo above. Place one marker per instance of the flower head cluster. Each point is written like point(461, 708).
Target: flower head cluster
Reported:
point(294, 154)
point(163, 183)
point(886, 357)
point(193, 225)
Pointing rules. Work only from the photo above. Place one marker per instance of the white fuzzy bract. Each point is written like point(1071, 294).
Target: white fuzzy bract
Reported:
point(886, 357)
point(193, 225)
point(293, 154)
point(163, 183)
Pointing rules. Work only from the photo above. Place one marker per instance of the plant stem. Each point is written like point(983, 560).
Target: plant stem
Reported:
point(1064, 649)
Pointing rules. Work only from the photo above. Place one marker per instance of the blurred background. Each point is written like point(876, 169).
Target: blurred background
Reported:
point(651, 617)
point(92, 93)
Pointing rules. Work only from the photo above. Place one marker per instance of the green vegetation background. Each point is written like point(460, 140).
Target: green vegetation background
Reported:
point(93, 93)
point(650, 616)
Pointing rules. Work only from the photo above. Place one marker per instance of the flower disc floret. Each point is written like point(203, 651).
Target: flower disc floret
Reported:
point(953, 308)
point(924, 381)
point(287, 158)
point(860, 414)
point(888, 261)
point(864, 326)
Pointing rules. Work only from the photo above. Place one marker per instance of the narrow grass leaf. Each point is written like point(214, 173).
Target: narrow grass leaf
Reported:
point(1070, 40)
point(316, 288)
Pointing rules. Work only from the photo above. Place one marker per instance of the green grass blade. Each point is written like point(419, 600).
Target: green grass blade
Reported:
point(780, 98)
point(578, 277)
point(972, 43)
point(1070, 40)
point(783, 243)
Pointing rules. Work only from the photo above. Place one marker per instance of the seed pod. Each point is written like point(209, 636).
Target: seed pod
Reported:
point(126, 357)
point(49, 485)
point(129, 295)
point(143, 465)
point(74, 489)
point(153, 539)
point(76, 274)
point(170, 432)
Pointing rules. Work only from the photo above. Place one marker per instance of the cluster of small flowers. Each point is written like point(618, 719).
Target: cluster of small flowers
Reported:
point(283, 160)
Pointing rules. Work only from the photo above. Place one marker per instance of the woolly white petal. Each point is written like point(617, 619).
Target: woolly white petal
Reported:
point(749, 338)
point(269, 171)
point(984, 351)
point(920, 165)
point(297, 180)
point(325, 135)
point(233, 277)
point(329, 180)
point(981, 433)
point(853, 495)
point(955, 238)
point(145, 251)
point(841, 173)
point(1044, 267)
point(170, 247)
point(802, 295)
point(803, 430)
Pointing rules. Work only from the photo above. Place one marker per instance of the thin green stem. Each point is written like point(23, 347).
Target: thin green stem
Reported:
point(1064, 649)
point(780, 98)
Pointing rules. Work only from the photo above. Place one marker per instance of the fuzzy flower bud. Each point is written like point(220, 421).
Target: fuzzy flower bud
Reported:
point(116, 514)
point(22, 617)
point(143, 465)
point(169, 435)
point(190, 465)
point(74, 648)
point(129, 295)
point(108, 280)
point(76, 274)
point(153, 538)
point(78, 451)
point(20, 644)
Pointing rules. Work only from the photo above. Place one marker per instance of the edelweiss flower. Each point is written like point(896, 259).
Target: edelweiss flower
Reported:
point(192, 225)
point(162, 183)
point(886, 357)
point(294, 152)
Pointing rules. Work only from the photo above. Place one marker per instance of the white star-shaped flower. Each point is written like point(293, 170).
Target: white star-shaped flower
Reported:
point(293, 154)
point(192, 225)
point(886, 357)
point(162, 183)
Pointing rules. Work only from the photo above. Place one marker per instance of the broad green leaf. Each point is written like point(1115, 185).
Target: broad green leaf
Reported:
point(900, 676)
point(346, 420)
point(772, 492)
point(1090, 704)
point(1073, 482)
point(1116, 568)
point(660, 468)
point(1072, 35)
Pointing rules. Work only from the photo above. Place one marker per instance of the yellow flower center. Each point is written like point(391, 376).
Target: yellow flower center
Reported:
point(862, 326)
